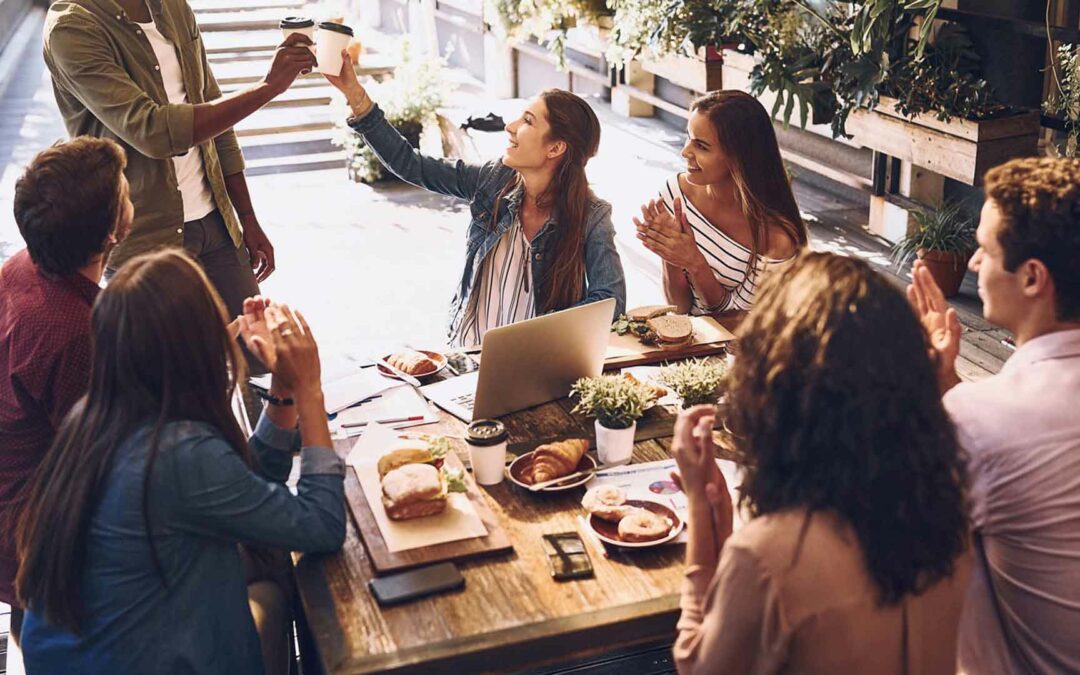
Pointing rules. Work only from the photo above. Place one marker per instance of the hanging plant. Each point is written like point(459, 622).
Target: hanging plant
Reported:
point(546, 20)
point(660, 27)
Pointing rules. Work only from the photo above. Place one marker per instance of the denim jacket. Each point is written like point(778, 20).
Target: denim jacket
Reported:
point(203, 500)
point(481, 185)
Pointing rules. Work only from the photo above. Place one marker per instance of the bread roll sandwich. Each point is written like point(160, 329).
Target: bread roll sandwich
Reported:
point(650, 311)
point(671, 330)
point(656, 325)
point(412, 485)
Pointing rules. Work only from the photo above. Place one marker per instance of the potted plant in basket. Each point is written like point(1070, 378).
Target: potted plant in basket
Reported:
point(696, 382)
point(944, 240)
point(616, 403)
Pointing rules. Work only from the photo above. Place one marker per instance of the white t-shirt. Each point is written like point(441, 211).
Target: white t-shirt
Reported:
point(190, 176)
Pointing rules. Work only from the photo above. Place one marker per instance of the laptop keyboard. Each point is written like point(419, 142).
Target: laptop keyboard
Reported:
point(466, 401)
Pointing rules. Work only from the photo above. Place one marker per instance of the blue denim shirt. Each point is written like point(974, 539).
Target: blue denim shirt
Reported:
point(203, 501)
point(481, 185)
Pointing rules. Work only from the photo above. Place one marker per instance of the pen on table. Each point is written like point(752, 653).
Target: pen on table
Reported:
point(594, 541)
point(393, 420)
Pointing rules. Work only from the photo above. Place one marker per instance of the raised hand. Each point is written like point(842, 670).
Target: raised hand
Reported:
point(347, 84)
point(668, 234)
point(292, 58)
point(940, 322)
point(293, 350)
point(252, 327)
point(699, 476)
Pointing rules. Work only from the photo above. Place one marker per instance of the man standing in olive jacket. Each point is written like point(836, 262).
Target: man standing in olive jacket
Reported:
point(136, 71)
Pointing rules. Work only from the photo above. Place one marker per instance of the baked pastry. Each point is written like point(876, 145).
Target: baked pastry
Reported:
point(555, 460)
point(649, 312)
point(607, 502)
point(643, 525)
point(413, 491)
point(672, 330)
point(412, 484)
point(656, 392)
point(412, 363)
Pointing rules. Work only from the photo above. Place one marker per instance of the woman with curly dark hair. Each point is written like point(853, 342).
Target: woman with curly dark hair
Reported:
point(855, 560)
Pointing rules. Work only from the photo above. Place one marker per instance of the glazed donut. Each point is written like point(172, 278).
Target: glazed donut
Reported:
point(607, 502)
point(643, 525)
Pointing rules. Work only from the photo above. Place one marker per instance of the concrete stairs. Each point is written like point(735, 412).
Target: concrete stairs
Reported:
point(292, 132)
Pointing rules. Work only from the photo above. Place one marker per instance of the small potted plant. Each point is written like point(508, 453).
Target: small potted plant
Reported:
point(944, 240)
point(616, 403)
point(696, 382)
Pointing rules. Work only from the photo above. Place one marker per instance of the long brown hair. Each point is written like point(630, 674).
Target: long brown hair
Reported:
point(823, 422)
point(572, 121)
point(748, 141)
point(161, 354)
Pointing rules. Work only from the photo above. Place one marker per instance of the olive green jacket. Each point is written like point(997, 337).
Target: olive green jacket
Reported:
point(108, 84)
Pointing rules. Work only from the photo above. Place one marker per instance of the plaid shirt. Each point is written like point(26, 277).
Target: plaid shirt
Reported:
point(45, 358)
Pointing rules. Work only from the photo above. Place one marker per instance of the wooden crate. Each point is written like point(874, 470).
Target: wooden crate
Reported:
point(700, 72)
point(959, 149)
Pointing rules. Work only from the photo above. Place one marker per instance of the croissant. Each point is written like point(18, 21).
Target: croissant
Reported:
point(555, 460)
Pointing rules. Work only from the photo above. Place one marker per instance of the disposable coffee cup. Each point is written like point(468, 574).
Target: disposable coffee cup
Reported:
point(487, 450)
point(333, 38)
point(298, 24)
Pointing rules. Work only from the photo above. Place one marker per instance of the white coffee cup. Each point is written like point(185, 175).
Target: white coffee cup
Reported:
point(298, 24)
point(487, 450)
point(333, 38)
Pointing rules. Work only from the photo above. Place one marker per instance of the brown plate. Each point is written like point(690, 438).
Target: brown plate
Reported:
point(608, 531)
point(518, 469)
point(438, 358)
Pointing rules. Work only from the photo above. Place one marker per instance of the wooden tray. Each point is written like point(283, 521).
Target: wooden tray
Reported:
point(625, 351)
point(386, 561)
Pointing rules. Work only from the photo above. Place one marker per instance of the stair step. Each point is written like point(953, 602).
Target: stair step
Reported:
point(334, 155)
point(275, 145)
point(279, 120)
point(306, 82)
point(304, 97)
point(241, 41)
point(260, 19)
point(284, 7)
point(248, 72)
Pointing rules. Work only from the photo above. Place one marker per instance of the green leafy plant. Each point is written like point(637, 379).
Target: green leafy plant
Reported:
point(660, 27)
point(614, 401)
point(1065, 101)
point(546, 20)
point(949, 229)
point(410, 100)
point(696, 381)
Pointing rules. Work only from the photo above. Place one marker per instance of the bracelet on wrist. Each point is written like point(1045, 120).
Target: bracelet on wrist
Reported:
point(274, 400)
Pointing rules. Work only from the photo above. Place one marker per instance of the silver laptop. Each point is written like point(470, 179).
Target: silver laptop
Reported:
point(529, 363)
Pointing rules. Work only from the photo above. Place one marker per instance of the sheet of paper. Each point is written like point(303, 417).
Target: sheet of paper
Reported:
point(652, 480)
point(344, 382)
point(459, 520)
point(397, 403)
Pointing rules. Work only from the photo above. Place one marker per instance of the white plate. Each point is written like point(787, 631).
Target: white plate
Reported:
point(518, 466)
point(438, 358)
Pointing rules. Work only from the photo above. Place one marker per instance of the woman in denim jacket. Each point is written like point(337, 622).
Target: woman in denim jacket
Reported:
point(129, 541)
point(539, 240)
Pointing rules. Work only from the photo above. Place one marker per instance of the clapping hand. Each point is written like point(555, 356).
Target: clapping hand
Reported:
point(668, 234)
point(940, 322)
point(253, 329)
point(695, 453)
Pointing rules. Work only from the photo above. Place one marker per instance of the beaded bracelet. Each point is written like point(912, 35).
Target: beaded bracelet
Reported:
point(273, 400)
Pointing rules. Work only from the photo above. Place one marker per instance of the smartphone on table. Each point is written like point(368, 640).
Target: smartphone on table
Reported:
point(567, 556)
point(460, 363)
point(416, 584)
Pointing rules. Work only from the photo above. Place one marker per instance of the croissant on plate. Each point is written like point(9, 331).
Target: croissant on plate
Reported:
point(554, 460)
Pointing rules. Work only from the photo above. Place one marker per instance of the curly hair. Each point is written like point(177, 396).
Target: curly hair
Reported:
point(833, 405)
point(1039, 199)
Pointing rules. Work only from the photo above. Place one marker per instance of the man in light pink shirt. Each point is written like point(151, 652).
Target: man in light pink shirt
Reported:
point(1021, 427)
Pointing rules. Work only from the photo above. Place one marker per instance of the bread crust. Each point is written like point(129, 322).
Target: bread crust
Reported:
point(402, 456)
point(412, 510)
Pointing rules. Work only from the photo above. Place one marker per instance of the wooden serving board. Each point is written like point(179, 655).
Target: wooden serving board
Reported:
point(625, 351)
point(384, 560)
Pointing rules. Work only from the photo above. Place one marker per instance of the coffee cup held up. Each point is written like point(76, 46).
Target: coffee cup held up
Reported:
point(333, 39)
point(299, 24)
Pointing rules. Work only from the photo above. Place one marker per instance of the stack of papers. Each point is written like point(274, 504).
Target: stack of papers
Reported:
point(397, 408)
point(344, 381)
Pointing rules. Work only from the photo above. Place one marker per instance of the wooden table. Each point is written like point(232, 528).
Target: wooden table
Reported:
point(511, 614)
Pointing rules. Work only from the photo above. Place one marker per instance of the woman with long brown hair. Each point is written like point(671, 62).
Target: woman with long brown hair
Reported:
point(721, 226)
point(855, 558)
point(128, 544)
point(539, 240)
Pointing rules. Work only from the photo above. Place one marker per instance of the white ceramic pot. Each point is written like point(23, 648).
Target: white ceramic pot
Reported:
point(614, 446)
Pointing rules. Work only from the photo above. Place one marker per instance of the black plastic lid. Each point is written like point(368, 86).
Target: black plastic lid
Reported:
point(336, 27)
point(296, 22)
point(485, 432)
